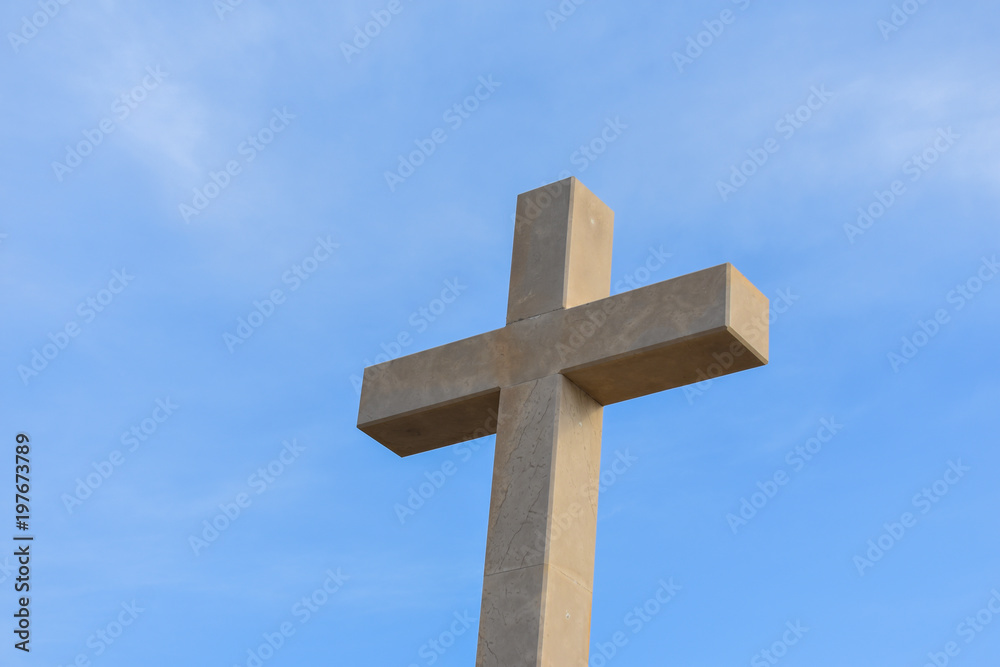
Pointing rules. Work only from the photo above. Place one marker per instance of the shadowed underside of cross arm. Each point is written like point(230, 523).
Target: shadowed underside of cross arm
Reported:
point(658, 337)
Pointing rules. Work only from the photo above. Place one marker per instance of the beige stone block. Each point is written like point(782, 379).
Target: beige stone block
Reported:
point(566, 615)
point(539, 570)
point(632, 344)
point(546, 470)
point(510, 619)
point(562, 250)
point(534, 617)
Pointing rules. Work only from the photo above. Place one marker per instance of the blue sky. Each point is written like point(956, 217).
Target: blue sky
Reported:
point(170, 170)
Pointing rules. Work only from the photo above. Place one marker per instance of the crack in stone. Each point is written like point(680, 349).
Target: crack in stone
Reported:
point(523, 471)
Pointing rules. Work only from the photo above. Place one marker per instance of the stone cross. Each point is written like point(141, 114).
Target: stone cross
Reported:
point(540, 383)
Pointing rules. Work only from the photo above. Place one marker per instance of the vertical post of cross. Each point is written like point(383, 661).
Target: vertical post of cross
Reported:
point(538, 579)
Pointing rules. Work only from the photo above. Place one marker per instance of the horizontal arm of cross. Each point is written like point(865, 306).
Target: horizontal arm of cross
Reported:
point(666, 335)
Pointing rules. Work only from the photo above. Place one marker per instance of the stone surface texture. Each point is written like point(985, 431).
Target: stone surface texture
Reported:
point(539, 572)
point(562, 250)
point(540, 383)
point(658, 337)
